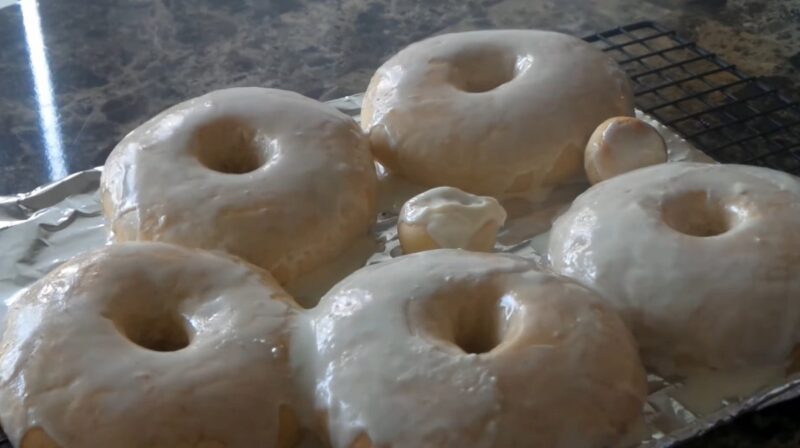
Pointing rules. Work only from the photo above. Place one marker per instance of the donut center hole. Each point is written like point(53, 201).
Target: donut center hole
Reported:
point(696, 214)
point(163, 332)
point(228, 146)
point(38, 438)
point(477, 338)
point(483, 326)
point(478, 70)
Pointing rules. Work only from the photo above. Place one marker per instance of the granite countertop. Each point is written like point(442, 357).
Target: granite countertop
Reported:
point(77, 75)
point(104, 66)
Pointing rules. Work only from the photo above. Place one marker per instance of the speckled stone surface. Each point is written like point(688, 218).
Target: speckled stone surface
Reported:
point(114, 63)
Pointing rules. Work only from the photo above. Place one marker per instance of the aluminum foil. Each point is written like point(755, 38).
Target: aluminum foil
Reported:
point(45, 227)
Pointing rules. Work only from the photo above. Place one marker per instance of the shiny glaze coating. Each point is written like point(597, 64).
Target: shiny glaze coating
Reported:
point(148, 345)
point(283, 181)
point(701, 260)
point(456, 348)
point(446, 217)
point(622, 144)
point(492, 111)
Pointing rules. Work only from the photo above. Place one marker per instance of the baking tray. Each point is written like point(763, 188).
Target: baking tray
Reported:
point(730, 116)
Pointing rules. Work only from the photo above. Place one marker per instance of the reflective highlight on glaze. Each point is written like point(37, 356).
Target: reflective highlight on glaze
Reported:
point(455, 348)
point(221, 385)
point(278, 179)
point(702, 261)
point(451, 217)
point(492, 111)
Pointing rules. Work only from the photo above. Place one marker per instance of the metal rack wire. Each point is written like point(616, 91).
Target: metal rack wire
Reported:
point(733, 117)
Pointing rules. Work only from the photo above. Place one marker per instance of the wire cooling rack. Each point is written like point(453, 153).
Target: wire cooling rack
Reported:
point(733, 117)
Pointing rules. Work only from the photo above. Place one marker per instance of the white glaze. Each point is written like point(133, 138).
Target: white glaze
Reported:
point(724, 301)
point(396, 202)
point(428, 121)
point(530, 215)
point(379, 349)
point(622, 144)
point(308, 288)
point(312, 196)
point(703, 391)
point(66, 366)
point(451, 217)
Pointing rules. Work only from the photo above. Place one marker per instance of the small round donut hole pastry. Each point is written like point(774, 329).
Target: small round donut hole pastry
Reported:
point(492, 112)
point(622, 144)
point(701, 260)
point(149, 345)
point(467, 349)
point(281, 180)
point(448, 218)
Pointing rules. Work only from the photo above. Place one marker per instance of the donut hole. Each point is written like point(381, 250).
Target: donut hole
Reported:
point(163, 332)
point(696, 214)
point(482, 326)
point(362, 441)
point(288, 427)
point(229, 146)
point(37, 438)
point(477, 70)
point(478, 335)
point(474, 320)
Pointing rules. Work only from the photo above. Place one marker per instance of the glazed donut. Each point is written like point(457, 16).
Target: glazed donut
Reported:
point(446, 217)
point(622, 144)
point(702, 261)
point(283, 181)
point(492, 111)
point(456, 348)
point(148, 345)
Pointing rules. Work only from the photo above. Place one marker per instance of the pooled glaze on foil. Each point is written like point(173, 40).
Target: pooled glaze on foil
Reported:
point(41, 229)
